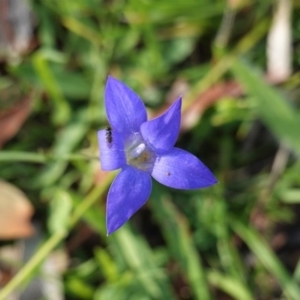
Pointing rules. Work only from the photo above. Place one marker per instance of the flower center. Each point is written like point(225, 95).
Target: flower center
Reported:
point(138, 154)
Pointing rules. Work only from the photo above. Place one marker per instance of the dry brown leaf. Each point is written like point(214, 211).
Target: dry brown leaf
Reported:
point(12, 119)
point(192, 114)
point(15, 212)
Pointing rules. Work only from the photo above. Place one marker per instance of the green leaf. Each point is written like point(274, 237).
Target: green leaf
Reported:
point(140, 259)
point(60, 208)
point(65, 142)
point(62, 110)
point(79, 288)
point(180, 243)
point(267, 257)
point(291, 196)
point(107, 265)
point(276, 112)
point(229, 285)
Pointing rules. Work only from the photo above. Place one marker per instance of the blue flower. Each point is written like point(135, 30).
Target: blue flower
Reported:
point(142, 149)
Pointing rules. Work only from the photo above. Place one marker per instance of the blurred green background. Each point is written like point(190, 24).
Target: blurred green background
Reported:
point(236, 63)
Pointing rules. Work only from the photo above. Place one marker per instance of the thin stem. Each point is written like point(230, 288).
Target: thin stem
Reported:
point(32, 263)
point(55, 239)
point(90, 200)
point(40, 158)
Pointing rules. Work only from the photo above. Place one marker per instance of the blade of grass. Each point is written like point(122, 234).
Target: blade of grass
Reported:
point(225, 62)
point(107, 265)
point(67, 139)
point(55, 239)
point(229, 256)
point(139, 257)
point(267, 258)
point(176, 232)
point(62, 111)
point(276, 112)
point(81, 29)
point(229, 285)
point(39, 158)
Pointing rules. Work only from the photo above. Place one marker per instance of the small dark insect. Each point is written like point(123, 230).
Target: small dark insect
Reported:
point(168, 174)
point(109, 137)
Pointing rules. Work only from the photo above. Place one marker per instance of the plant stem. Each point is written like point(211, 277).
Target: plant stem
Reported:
point(55, 239)
point(40, 158)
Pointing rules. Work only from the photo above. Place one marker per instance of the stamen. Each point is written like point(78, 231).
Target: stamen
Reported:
point(138, 154)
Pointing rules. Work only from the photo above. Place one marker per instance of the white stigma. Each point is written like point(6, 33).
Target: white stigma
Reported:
point(138, 154)
point(137, 151)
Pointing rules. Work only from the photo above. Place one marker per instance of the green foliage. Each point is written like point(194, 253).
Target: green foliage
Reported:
point(234, 240)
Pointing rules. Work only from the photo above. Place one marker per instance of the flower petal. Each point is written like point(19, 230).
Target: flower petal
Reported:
point(112, 154)
point(129, 191)
point(182, 170)
point(161, 133)
point(124, 108)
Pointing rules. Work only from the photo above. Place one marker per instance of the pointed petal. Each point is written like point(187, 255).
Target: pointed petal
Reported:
point(161, 133)
point(125, 110)
point(182, 170)
point(112, 154)
point(129, 191)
